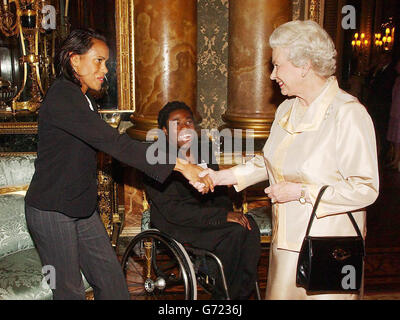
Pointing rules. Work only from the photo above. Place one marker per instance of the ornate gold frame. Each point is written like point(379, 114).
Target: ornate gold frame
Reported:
point(124, 25)
point(124, 28)
point(18, 127)
point(308, 9)
point(315, 10)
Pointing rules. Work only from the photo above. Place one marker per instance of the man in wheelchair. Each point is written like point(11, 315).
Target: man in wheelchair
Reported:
point(205, 221)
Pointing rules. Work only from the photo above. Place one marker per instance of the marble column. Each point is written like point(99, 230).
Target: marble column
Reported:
point(252, 96)
point(165, 59)
point(165, 70)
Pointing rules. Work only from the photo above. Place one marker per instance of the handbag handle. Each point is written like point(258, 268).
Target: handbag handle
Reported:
point(313, 214)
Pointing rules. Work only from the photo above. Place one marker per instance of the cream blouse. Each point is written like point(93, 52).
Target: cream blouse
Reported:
point(334, 144)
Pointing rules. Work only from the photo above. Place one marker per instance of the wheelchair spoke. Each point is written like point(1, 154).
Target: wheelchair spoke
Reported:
point(154, 269)
point(134, 266)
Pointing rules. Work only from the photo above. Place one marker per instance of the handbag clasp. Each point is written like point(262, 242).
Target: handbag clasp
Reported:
point(340, 254)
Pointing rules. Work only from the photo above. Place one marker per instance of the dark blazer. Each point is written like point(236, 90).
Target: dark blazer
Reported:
point(70, 134)
point(181, 211)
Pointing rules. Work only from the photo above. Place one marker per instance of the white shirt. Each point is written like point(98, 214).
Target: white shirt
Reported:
point(90, 103)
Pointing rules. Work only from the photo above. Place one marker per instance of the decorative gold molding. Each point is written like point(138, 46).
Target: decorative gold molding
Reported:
point(18, 127)
point(16, 154)
point(296, 9)
point(5, 190)
point(141, 127)
point(315, 10)
point(124, 25)
point(261, 126)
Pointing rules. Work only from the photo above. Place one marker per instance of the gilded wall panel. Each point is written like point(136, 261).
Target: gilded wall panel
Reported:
point(212, 61)
point(297, 12)
point(212, 57)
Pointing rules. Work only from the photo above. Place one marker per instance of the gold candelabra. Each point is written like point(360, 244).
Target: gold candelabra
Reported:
point(385, 41)
point(359, 42)
point(35, 23)
point(360, 46)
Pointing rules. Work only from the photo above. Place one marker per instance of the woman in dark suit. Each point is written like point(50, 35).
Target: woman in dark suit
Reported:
point(61, 200)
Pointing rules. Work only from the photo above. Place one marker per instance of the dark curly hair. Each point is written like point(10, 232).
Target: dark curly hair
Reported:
point(79, 41)
point(164, 113)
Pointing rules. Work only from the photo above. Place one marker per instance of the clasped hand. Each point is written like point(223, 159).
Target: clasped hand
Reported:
point(218, 178)
point(203, 183)
point(283, 192)
point(214, 176)
point(280, 192)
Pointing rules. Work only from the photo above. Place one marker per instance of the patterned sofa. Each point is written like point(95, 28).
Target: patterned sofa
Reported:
point(20, 268)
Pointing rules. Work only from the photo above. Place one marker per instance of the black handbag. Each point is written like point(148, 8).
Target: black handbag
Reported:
point(330, 263)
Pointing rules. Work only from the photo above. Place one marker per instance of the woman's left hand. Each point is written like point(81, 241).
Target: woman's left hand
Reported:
point(284, 192)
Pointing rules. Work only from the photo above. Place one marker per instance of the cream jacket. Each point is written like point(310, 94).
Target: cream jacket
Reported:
point(333, 144)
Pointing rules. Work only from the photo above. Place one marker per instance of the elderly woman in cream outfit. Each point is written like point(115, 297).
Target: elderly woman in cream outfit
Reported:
point(320, 136)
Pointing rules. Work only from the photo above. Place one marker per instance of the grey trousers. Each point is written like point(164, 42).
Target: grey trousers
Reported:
point(74, 244)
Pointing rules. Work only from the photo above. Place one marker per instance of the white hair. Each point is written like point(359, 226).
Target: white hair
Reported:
point(306, 41)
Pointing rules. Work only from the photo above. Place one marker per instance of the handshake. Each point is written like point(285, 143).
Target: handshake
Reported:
point(205, 180)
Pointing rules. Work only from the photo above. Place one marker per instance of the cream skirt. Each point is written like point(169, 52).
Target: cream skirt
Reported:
point(281, 281)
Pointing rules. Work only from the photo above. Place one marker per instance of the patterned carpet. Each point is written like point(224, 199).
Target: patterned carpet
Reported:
point(382, 296)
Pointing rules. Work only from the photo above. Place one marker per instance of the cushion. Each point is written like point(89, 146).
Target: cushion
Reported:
point(16, 170)
point(14, 235)
point(21, 277)
point(262, 217)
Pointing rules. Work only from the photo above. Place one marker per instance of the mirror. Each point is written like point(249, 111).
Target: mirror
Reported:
point(119, 87)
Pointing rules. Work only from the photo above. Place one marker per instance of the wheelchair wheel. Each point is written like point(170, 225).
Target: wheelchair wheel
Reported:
point(157, 267)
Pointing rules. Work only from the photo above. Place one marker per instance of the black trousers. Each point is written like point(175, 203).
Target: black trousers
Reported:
point(239, 250)
point(239, 253)
point(74, 244)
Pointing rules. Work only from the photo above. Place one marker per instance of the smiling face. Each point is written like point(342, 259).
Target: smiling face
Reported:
point(91, 66)
point(180, 127)
point(288, 76)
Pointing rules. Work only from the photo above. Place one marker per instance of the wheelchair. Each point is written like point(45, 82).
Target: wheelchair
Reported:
point(157, 267)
